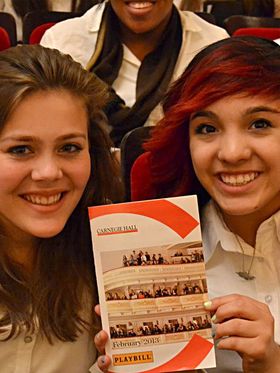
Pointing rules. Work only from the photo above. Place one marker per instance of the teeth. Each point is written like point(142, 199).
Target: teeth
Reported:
point(42, 200)
point(240, 179)
point(139, 5)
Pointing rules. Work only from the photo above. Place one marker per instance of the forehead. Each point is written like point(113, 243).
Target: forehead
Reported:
point(244, 102)
point(44, 111)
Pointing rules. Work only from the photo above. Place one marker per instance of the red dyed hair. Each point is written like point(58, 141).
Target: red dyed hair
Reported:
point(236, 65)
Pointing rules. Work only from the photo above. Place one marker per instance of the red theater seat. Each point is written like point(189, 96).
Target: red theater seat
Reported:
point(262, 32)
point(37, 22)
point(37, 34)
point(5, 42)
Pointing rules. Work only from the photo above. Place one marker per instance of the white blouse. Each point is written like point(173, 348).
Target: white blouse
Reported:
point(33, 354)
point(224, 258)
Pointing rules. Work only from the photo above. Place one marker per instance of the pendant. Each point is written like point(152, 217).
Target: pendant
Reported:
point(245, 275)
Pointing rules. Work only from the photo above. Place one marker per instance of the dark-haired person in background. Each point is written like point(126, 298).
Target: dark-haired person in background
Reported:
point(138, 48)
point(259, 8)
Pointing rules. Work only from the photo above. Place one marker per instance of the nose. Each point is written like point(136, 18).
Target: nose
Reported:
point(234, 148)
point(46, 168)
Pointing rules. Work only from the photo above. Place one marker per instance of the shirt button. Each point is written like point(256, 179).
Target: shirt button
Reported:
point(268, 298)
point(27, 339)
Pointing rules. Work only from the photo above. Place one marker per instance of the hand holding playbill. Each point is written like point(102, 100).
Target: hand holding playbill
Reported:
point(151, 280)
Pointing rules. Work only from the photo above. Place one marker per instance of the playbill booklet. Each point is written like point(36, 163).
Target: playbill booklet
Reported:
point(151, 281)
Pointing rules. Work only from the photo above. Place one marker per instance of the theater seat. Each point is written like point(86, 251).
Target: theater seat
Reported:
point(261, 32)
point(140, 179)
point(234, 23)
point(131, 148)
point(37, 34)
point(42, 20)
point(8, 23)
point(5, 42)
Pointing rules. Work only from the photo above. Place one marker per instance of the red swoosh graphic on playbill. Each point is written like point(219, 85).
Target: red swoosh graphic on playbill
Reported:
point(161, 210)
point(189, 358)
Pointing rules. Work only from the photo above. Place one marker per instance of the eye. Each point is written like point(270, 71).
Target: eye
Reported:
point(20, 150)
point(70, 148)
point(260, 124)
point(205, 129)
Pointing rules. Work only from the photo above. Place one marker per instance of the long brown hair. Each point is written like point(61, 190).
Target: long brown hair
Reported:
point(62, 282)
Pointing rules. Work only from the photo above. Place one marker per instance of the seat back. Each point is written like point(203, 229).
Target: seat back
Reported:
point(8, 23)
point(33, 20)
point(131, 147)
point(241, 21)
point(271, 33)
point(223, 9)
point(38, 32)
point(5, 42)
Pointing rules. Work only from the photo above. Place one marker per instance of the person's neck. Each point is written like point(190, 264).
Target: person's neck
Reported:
point(247, 231)
point(22, 253)
point(142, 44)
point(246, 226)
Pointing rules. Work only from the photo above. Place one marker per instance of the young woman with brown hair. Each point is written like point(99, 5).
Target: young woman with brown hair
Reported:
point(55, 161)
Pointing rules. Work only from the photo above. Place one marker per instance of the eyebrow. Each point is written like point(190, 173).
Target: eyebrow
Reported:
point(249, 111)
point(258, 109)
point(23, 138)
point(203, 113)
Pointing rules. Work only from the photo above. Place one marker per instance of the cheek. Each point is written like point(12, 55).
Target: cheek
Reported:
point(81, 173)
point(11, 176)
point(197, 157)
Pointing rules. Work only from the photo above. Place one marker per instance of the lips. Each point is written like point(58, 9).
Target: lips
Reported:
point(43, 200)
point(238, 179)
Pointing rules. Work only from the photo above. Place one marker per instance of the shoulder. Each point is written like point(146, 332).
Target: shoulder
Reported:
point(197, 34)
point(191, 22)
point(76, 36)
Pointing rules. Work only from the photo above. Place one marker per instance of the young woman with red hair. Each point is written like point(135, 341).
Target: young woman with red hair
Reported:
point(220, 139)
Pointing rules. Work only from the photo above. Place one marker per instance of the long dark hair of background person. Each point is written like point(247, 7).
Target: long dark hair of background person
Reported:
point(259, 8)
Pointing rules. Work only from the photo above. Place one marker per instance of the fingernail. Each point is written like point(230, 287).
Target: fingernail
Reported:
point(98, 336)
point(214, 318)
point(208, 304)
point(103, 360)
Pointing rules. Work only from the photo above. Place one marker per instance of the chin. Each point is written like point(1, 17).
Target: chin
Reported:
point(237, 210)
point(47, 233)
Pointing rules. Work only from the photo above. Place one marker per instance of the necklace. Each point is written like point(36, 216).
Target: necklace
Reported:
point(245, 274)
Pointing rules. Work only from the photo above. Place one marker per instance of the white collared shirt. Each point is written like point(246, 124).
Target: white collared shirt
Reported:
point(128, 73)
point(224, 258)
point(77, 37)
point(33, 354)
